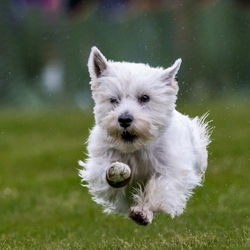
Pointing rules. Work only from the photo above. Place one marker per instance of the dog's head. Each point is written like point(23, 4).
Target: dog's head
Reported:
point(133, 101)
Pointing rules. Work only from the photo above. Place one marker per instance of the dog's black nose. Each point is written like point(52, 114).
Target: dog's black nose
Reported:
point(125, 120)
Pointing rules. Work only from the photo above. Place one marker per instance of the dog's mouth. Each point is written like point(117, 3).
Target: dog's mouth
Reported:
point(128, 137)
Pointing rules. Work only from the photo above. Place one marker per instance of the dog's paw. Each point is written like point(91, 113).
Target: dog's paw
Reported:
point(118, 174)
point(141, 216)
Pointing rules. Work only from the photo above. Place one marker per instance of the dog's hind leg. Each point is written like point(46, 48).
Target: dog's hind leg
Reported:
point(162, 194)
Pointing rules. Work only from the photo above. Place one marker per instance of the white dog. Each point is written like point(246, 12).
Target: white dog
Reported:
point(144, 156)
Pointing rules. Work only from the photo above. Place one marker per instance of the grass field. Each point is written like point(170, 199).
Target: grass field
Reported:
point(43, 206)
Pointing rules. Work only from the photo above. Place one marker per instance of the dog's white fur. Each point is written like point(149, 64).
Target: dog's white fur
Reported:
point(169, 156)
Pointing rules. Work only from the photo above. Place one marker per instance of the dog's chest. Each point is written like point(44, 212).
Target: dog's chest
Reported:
point(141, 164)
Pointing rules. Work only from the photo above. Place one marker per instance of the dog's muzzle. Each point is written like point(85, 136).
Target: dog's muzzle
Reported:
point(125, 120)
point(128, 137)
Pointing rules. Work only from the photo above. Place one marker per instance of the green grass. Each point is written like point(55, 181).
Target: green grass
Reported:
point(43, 206)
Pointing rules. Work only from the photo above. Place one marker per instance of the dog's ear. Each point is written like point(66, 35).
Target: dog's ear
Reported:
point(171, 72)
point(97, 63)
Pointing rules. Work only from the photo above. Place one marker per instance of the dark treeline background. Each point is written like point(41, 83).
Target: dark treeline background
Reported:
point(45, 46)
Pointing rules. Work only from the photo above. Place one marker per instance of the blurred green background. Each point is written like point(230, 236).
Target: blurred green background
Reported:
point(46, 114)
point(46, 43)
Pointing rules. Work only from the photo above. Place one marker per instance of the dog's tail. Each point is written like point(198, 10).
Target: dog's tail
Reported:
point(204, 134)
point(205, 129)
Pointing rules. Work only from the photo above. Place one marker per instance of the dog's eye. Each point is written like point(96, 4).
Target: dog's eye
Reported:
point(113, 101)
point(144, 98)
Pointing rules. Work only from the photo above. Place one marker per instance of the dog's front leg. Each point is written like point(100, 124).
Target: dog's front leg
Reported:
point(143, 211)
point(141, 214)
point(118, 174)
point(148, 201)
